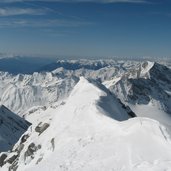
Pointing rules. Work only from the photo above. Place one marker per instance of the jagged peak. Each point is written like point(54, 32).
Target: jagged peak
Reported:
point(149, 66)
point(155, 70)
point(142, 71)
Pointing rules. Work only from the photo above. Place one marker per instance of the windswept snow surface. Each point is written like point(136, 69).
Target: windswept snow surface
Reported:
point(85, 133)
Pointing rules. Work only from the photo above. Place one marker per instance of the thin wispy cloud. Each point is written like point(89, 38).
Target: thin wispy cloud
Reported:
point(71, 1)
point(45, 23)
point(20, 11)
point(105, 1)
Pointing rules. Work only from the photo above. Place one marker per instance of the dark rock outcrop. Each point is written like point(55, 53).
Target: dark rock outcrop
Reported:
point(41, 127)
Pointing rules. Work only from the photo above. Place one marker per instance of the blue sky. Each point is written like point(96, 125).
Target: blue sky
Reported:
point(122, 28)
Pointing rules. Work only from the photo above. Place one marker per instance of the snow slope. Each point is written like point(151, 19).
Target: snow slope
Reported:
point(11, 128)
point(85, 133)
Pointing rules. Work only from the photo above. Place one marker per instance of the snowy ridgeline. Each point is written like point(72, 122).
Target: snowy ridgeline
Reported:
point(87, 124)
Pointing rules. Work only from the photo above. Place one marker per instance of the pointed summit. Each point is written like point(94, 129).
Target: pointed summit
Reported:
point(89, 93)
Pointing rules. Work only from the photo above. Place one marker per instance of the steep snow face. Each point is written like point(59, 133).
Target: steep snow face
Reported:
point(82, 135)
point(11, 128)
point(21, 92)
point(146, 90)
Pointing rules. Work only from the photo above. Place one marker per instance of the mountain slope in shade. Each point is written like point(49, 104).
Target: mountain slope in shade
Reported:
point(11, 128)
point(146, 90)
point(85, 133)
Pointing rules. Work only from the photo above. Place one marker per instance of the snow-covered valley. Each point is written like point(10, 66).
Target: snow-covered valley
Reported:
point(83, 117)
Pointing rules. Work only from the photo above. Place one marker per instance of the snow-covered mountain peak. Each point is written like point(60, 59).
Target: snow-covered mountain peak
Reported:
point(148, 70)
point(84, 86)
point(88, 93)
point(141, 71)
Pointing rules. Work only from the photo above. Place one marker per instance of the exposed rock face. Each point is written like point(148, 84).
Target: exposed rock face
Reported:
point(41, 127)
point(12, 159)
point(2, 159)
point(32, 148)
point(53, 143)
point(11, 129)
point(24, 138)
